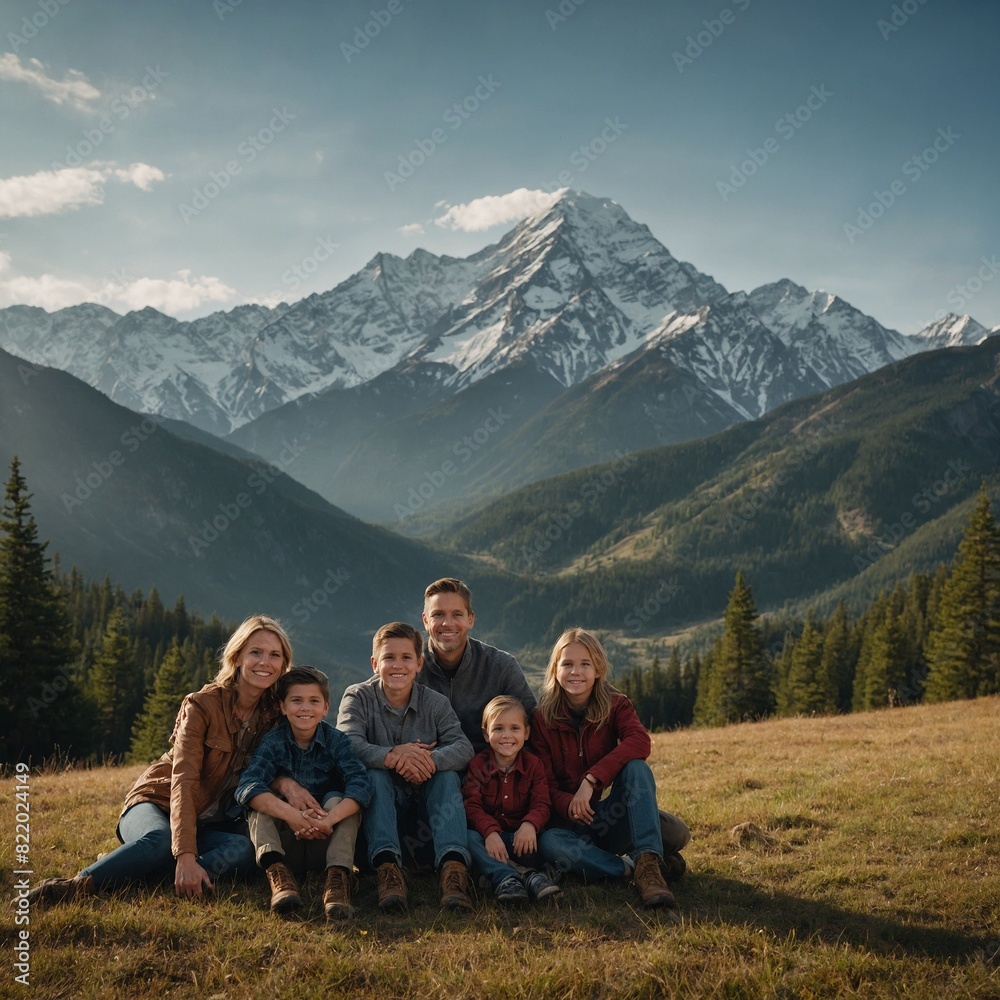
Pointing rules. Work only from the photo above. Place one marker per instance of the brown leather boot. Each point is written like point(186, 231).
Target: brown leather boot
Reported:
point(284, 889)
point(650, 883)
point(454, 881)
point(337, 894)
point(62, 890)
point(391, 887)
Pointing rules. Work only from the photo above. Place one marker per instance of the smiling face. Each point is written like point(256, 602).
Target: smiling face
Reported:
point(397, 664)
point(576, 673)
point(304, 707)
point(447, 619)
point(506, 735)
point(261, 661)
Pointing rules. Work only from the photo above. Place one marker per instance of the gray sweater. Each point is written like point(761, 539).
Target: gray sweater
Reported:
point(374, 727)
point(484, 673)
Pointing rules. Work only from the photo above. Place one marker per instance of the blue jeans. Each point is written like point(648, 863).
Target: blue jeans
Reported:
point(145, 851)
point(626, 821)
point(497, 871)
point(434, 813)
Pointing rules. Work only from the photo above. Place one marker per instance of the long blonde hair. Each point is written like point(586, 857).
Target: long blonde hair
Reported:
point(553, 705)
point(229, 668)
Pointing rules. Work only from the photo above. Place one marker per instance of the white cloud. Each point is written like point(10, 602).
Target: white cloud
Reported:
point(411, 229)
point(52, 191)
point(173, 296)
point(74, 89)
point(495, 209)
point(142, 175)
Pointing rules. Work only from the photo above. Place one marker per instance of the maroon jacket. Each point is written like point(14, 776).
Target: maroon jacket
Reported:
point(496, 802)
point(601, 751)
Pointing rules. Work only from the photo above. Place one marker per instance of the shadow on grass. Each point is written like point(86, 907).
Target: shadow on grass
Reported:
point(717, 899)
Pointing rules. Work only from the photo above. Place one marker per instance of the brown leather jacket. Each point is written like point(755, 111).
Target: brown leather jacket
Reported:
point(195, 772)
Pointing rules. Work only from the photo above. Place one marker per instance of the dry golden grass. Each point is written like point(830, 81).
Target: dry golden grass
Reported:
point(876, 874)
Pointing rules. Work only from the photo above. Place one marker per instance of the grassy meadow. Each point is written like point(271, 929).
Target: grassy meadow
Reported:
point(855, 856)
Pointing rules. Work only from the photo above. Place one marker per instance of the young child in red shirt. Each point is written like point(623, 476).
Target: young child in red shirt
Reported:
point(506, 804)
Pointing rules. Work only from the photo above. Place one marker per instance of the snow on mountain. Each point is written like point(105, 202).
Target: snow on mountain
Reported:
point(952, 331)
point(735, 356)
point(71, 339)
point(838, 342)
point(572, 289)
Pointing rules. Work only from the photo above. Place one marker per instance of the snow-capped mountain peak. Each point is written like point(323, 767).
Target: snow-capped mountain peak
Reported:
point(952, 331)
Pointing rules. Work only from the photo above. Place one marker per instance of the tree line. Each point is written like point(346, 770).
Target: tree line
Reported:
point(933, 638)
point(90, 672)
point(86, 670)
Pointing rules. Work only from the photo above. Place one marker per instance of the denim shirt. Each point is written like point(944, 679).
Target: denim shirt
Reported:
point(329, 764)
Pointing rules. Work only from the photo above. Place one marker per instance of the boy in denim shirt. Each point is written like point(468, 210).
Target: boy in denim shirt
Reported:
point(309, 750)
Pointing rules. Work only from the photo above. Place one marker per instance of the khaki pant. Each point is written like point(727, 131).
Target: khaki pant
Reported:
point(270, 834)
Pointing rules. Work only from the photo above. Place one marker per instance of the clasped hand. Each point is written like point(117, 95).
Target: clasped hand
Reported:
point(412, 761)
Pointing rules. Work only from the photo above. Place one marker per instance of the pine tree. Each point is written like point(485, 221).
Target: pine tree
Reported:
point(152, 728)
point(963, 648)
point(885, 674)
point(808, 690)
point(114, 686)
point(839, 658)
point(739, 685)
point(38, 693)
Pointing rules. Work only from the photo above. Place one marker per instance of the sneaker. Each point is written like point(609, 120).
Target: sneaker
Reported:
point(391, 888)
point(650, 884)
point(337, 894)
point(511, 890)
point(62, 890)
point(284, 889)
point(454, 880)
point(540, 886)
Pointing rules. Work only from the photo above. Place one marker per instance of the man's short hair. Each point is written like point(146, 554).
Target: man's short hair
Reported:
point(397, 630)
point(303, 675)
point(449, 585)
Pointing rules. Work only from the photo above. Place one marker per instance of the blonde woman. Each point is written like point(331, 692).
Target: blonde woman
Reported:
point(590, 739)
point(181, 813)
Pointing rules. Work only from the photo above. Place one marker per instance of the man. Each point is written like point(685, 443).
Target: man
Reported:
point(468, 672)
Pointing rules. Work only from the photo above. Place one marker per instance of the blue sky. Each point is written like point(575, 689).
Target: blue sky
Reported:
point(195, 155)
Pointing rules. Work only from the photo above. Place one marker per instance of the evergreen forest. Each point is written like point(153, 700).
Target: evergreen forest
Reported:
point(92, 673)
